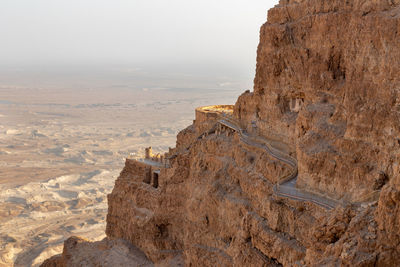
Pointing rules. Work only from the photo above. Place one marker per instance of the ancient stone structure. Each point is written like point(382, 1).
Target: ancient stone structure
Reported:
point(207, 116)
point(303, 171)
point(148, 154)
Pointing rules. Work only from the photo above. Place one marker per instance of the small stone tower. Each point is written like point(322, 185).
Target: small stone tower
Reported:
point(148, 152)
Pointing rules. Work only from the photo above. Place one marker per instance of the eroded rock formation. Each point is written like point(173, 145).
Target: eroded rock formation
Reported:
point(340, 59)
point(327, 92)
point(80, 252)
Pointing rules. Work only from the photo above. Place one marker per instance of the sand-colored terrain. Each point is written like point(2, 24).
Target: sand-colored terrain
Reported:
point(36, 217)
point(63, 143)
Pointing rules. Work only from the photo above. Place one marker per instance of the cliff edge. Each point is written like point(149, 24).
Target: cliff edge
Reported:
point(303, 171)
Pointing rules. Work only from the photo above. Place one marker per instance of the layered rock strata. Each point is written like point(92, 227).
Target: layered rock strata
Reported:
point(327, 82)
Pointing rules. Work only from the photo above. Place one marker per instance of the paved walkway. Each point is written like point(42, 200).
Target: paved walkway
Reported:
point(289, 190)
point(152, 163)
point(286, 187)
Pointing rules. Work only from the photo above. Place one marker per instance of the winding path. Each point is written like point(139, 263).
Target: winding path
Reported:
point(286, 186)
point(153, 163)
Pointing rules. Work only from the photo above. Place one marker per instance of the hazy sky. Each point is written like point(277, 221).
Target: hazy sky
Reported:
point(131, 31)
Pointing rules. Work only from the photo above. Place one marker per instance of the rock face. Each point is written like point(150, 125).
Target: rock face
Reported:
point(79, 252)
point(327, 92)
point(338, 61)
point(215, 205)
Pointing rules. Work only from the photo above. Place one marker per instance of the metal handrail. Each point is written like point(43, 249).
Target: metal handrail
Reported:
point(285, 158)
point(262, 143)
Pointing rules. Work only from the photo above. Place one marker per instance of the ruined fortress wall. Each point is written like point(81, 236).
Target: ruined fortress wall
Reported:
point(136, 212)
point(208, 115)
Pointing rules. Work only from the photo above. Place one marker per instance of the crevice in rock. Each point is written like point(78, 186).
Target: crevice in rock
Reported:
point(382, 179)
point(267, 259)
point(162, 230)
point(335, 65)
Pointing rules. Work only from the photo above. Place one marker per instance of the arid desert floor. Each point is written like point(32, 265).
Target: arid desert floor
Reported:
point(63, 142)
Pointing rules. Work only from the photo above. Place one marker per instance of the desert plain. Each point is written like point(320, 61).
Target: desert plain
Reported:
point(64, 137)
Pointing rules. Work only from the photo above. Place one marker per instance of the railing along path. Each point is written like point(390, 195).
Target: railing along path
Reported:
point(286, 185)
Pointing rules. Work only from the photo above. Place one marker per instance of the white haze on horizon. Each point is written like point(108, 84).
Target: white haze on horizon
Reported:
point(132, 32)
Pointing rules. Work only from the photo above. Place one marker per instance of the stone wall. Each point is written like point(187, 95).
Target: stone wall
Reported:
point(208, 115)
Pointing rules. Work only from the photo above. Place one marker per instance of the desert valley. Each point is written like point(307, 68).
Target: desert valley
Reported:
point(63, 142)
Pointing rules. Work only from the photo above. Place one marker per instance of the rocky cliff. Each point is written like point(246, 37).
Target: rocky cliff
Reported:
point(303, 171)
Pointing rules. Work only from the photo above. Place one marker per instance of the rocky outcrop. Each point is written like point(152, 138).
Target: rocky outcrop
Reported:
point(338, 61)
point(327, 92)
point(80, 252)
point(216, 206)
point(207, 207)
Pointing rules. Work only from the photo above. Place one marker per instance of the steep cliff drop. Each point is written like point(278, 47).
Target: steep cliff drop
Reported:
point(303, 171)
